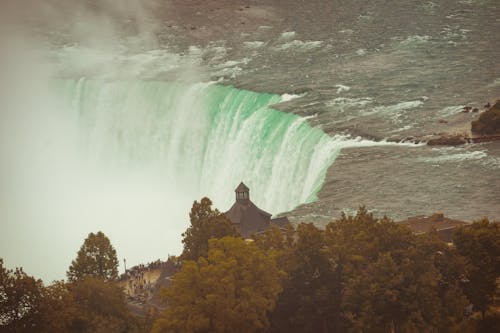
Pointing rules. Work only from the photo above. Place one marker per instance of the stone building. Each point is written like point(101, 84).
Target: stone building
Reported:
point(250, 219)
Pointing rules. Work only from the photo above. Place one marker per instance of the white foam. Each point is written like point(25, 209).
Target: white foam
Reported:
point(495, 83)
point(454, 34)
point(215, 52)
point(253, 45)
point(365, 17)
point(447, 157)
point(195, 50)
point(416, 39)
point(341, 88)
point(117, 63)
point(450, 154)
point(403, 106)
point(345, 102)
point(289, 97)
point(404, 128)
point(429, 5)
point(288, 35)
point(299, 45)
point(233, 63)
point(360, 52)
point(450, 110)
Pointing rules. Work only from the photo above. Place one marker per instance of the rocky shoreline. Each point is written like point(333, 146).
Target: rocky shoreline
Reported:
point(461, 140)
point(458, 129)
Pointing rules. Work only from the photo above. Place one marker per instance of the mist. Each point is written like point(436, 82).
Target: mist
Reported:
point(52, 195)
point(104, 127)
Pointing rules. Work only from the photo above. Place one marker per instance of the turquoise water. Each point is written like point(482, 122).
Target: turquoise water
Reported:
point(130, 157)
point(203, 138)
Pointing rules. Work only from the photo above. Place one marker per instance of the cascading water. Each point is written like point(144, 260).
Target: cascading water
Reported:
point(202, 138)
point(128, 157)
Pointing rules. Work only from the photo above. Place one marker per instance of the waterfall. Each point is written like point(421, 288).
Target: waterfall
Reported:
point(201, 138)
point(129, 158)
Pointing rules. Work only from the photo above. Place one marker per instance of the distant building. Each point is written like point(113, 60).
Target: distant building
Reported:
point(250, 219)
point(442, 225)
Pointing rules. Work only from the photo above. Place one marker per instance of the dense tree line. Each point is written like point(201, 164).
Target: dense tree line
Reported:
point(358, 274)
point(89, 302)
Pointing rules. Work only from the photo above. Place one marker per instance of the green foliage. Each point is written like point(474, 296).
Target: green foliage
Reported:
point(479, 243)
point(488, 122)
point(20, 299)
point(58, 309)
point(231, 290)
point(100, 307)
point(206, 223)
point(359, 274)
point(388, 283)
point(451, 267)
point(362, 274)
point(309, 300)
point(88, 306)
point(96, 258)
point(278, 244)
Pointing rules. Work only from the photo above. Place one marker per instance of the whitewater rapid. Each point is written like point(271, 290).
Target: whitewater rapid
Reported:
point(129, 157)
point(203, 138)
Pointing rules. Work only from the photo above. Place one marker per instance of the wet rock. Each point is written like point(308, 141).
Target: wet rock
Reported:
point(454, 140)
point(301, 90)
point(488, 122)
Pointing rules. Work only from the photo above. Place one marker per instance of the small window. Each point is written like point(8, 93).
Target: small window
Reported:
point(241, 195)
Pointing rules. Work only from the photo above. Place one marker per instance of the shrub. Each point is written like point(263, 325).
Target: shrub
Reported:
point(488, 122)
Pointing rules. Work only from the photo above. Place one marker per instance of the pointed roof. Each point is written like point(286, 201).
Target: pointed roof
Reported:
point(242, 188)
point(248, 218)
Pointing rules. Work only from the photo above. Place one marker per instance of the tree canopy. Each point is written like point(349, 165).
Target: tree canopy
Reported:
point(96, 258)
point(488, 122)
point(206, 223)
point(89, 305)
point(363, 274)
point(479, 243)
point(358, 274)
point(20, 299)
point(232, 290)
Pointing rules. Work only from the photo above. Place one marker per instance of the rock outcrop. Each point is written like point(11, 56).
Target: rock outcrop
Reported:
point(488, 122)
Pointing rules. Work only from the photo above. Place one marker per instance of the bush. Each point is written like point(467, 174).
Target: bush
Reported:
point(488, 122)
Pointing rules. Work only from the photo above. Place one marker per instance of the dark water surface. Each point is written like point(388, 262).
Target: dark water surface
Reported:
point(378, 69)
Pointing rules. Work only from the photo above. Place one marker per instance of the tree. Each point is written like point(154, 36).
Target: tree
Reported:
point(100, 307)
point(278, 243)
point(96, 258)
point(479, 243)
point(232, 290)
point(89, 305)
point(20, 299)
point(58, 309)
point(488, 122)
point(308, 301)
point(363, 274)
point(206, 223)
point(391, 280)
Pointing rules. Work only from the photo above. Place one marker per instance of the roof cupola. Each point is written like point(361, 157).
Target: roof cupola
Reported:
point(242, 192)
